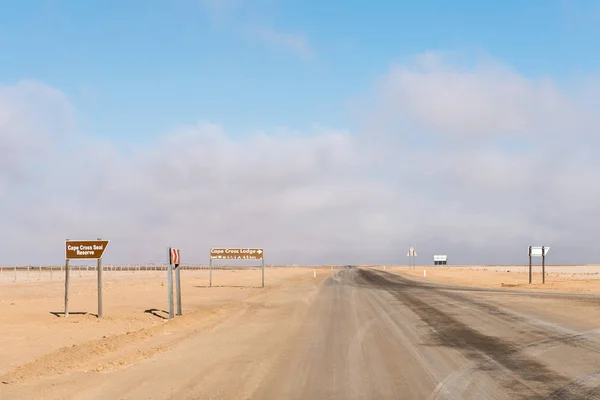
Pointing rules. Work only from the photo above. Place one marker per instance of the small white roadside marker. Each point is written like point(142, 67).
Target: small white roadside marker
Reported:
point(424, 273)
point(314, 273)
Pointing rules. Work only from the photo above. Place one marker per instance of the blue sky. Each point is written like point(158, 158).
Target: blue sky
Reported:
point(135, 69)
point(458, 127)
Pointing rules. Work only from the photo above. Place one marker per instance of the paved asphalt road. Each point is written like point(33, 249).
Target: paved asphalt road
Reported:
point(376, 335)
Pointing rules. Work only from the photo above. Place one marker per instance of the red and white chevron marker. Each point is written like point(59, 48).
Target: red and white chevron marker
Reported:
point(174, 259)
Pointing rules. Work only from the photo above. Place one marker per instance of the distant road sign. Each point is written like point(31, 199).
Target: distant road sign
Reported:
point(440, 259)
point(237, 254)
point(537, 251)
point(411, 252)
point(85, 249)
point(174, 256)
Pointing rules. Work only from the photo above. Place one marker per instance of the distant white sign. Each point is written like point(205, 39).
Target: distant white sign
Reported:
point(536, 251)
point(440, 258)
point(411, 252)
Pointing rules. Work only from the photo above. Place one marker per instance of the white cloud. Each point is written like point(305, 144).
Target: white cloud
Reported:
point(296, 43)
point(475, 162)
point(472, 102)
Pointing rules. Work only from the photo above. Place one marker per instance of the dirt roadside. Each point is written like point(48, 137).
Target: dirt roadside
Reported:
point(559, 279)
point(36, 343)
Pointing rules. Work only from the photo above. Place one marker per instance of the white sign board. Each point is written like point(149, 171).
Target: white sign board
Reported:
point(536, 251)
point(411, 252)
point(440, 258)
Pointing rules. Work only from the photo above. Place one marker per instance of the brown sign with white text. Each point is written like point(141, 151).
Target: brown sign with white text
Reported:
point(85, 249)
point(237, 254)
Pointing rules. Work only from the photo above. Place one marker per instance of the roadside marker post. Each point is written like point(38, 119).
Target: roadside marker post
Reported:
point(174, 262)
point(84, 250)
point(246, 253)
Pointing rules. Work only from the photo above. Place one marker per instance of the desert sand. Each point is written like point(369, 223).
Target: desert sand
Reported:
point(36, 340)
point(344, 333)
point(578, 279)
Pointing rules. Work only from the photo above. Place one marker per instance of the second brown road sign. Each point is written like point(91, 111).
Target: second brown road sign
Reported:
point(85, 249)
point(237, 254)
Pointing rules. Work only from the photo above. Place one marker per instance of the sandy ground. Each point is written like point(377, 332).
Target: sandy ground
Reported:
point(135, 309)
point(347, 333)
point(580, 279)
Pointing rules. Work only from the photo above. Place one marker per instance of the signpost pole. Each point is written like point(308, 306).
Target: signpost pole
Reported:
point(178, 285)
point(66, 288)
point(210, 273)
point(263, 272)
point(530, 264)
point(99, 267)
point(170, 288)
point(543, 265)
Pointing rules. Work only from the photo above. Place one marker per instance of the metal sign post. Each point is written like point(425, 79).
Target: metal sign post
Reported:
point(530, 264)
point(263, 272)
point(99, 266)
point(66, 288)
point(178, 287)
point(543, 265)
point(538, 251)
point(411, 258)
point(170, 289)
point(210, 273)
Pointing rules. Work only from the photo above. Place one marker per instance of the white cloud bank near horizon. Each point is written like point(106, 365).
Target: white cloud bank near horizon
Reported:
point(475, 162)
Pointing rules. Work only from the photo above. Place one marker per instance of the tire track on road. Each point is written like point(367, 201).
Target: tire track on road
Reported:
point(523, 376)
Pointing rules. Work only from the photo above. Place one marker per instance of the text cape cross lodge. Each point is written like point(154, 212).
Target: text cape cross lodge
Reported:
point(239, 254)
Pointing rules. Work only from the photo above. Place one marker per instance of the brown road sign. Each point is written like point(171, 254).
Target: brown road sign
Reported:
point(237, 254)
point(85, 249)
